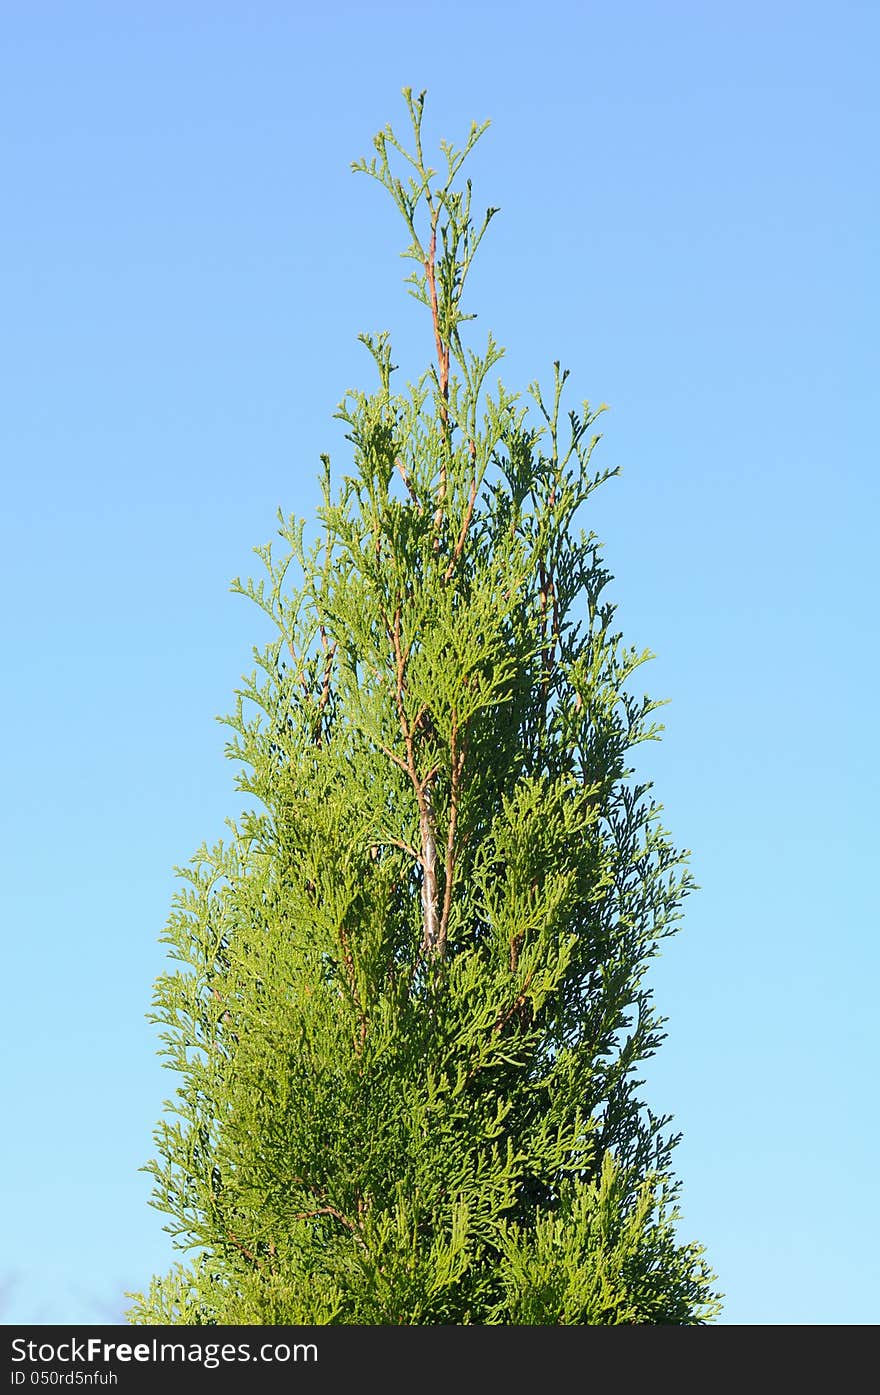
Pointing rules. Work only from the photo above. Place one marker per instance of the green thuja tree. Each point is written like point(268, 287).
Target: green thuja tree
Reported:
point(408, 1006)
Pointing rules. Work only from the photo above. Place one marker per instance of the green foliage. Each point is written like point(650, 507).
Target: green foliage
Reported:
point(409, 1003)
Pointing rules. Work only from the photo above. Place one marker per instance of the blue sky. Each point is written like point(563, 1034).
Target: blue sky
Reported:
point(689, 222)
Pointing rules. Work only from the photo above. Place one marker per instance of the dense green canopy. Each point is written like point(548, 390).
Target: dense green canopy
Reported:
point(410, 1005)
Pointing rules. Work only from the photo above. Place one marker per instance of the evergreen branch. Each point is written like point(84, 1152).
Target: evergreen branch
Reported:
point(457, 759)
point(442, 350)
point(399, 843)
point(515, 1009)
point(422, 790)
point(404, 475)
point(466, 523)
point(398, 760)
point(432, 941)
point(337, 1215)
point(249, 1256)
point(324, 697)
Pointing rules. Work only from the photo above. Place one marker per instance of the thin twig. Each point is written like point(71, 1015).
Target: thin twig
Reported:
point(404, 475)
point(466, 523)
point(337, 1216)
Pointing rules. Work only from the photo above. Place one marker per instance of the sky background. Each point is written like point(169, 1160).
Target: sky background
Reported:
point(689, 222)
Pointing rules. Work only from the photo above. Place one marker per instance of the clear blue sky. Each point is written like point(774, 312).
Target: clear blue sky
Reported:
point(690, 222)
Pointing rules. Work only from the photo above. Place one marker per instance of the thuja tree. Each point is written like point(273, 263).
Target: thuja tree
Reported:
point(411, 1008)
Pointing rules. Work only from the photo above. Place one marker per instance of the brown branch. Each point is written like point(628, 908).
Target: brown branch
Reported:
point(422, 790)
point(466, 523)
point(442, 349)
point(337, 1216)
point(398, 843)
point(515, 943)
point(392, 755)
point(431, 934)
point(516, 1008)
point(457, 765)
point(224, 1016)
point(324, 697)
point(404, 475)
point(251, 1258)
point(545, 651)
point(325, 690)
point(442, 366)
